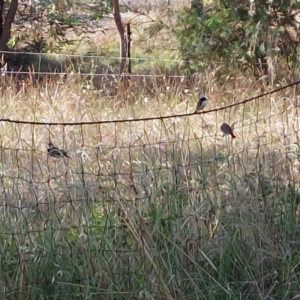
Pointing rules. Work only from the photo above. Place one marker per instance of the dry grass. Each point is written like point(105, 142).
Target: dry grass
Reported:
point(149, 210)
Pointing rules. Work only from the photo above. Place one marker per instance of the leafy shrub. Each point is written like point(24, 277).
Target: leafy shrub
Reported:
point(242, 33)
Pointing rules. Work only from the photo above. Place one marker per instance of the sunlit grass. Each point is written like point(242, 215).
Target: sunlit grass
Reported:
point(163, 209)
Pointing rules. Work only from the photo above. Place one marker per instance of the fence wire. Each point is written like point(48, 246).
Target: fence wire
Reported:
point(109, 57)
point(137, 198)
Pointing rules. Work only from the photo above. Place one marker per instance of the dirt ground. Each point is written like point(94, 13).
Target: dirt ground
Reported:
point(99, 32)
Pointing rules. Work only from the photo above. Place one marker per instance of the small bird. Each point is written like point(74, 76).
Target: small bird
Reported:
point(226, 129)
point(201, 103)
point(55, 152)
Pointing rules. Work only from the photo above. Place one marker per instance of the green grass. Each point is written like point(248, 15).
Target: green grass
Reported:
point(149, 210)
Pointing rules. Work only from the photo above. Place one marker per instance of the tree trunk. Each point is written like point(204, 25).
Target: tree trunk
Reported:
point(5, 35)
point(1, 15)
point(123, 41)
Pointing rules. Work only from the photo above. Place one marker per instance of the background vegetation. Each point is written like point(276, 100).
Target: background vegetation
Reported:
point(159, 209)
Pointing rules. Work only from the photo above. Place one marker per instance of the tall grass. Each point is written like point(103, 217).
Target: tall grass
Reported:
point(162, 209)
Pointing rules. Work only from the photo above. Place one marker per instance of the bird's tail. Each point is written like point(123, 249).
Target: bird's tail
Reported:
point(231, 133)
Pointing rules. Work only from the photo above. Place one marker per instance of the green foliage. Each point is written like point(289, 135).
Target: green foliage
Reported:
point(241, 33)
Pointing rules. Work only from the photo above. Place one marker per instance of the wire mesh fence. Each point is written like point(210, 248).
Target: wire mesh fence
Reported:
point(142, 209)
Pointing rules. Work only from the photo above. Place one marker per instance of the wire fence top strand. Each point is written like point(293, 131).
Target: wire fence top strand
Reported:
point(138, 59)
point(94, 75)
point(149, 118)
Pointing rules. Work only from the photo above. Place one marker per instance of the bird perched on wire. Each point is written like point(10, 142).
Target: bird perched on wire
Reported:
point(226, 129)
point(202, 102)
point(55, 152)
